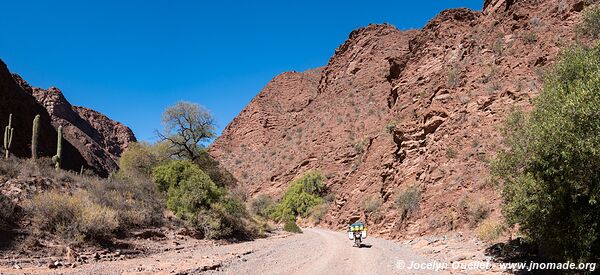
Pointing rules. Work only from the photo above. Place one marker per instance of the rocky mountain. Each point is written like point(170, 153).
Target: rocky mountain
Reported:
point(91, 139)
point(403, 110)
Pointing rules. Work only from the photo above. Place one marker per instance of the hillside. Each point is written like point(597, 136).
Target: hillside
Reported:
point(403, 110)
point(92, 140)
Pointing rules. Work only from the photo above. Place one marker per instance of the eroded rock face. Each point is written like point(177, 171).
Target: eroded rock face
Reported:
point(396, 109)
point(99, 139)
point(92, 140)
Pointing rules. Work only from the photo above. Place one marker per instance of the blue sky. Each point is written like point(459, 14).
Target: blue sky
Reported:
point(131, 59)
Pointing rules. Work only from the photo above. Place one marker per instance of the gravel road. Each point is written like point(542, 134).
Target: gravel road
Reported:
point(315, 251)
point(319, 251)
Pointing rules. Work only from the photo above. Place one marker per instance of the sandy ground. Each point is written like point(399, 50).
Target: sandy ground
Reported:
point(315, 251)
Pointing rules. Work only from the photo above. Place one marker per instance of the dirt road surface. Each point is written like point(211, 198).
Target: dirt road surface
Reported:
point(315, 251)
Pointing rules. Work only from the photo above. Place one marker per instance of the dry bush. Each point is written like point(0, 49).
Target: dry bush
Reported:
point(135, 199)
point(74, 217)
point(408, 201)
point(8, 212)
point(490, 230)
point(318, 212)
point(372, 203)
point(474, 210)
point(10, 167)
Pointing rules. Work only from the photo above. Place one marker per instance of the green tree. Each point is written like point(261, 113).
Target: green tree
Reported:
point(551, 170)
point(186, 126)
point(303, 194)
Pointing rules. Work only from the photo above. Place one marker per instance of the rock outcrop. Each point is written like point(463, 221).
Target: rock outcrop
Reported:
point(92, 140)
point(99, 139)
point(394, 110)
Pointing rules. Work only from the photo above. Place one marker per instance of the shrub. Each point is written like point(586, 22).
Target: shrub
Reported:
point(490, 230)
point(214, 170)
point(408, 201)
point(72, 217)
point(189, 189)
point(195, 198)
point(551, 170)
point(318, 212)
point(451, 153)
point(291, 226)
point(372, 203)
point(8, 212)
point(262, 205)
point(390, 127)
point(474, 210)
point(135, 200)
point(303, 194)
point(223, 219)
point(10, 167)
point(137, 159)
point(590, 26)
point(530, 37)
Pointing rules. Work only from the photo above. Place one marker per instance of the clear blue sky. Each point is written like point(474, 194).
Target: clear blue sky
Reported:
point(131, 59)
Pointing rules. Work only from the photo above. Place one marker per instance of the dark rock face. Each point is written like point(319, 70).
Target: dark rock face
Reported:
point(16, 99)
point(91, 139)
point(398, 109)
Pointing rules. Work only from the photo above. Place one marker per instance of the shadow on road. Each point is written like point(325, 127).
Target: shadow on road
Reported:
point(365, 245)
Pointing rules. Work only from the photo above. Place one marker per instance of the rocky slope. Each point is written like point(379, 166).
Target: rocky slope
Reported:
point(394, 110)
point(92, 139)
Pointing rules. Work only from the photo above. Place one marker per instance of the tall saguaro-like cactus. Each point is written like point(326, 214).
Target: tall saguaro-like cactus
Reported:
point(34, 136)
point(56, 158)
point(8, 135)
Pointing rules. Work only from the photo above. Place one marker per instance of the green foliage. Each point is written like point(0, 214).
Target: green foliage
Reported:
point(590, 26)
point(35, 133)
point(291, 226)
point(8, 136)
point(408, 201)
point(189, 189)
point(262, 205)
point(195, 198)
point(303, 194)
point(186, 127)
point(137, 160)
point(552, 169)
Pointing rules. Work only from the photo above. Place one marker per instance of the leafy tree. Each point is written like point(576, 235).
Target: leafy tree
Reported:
point(186, 126)
point(302, 195)
point(552, 167)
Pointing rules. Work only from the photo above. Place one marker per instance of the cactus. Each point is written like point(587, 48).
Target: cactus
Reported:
point(34, 136)
point(56, 158)
point(8, 135)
